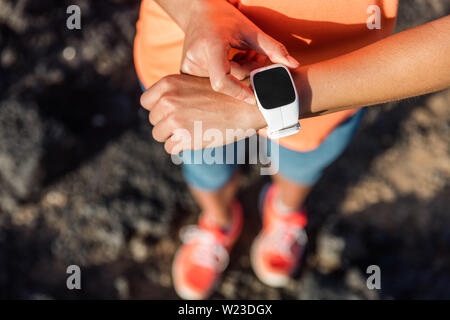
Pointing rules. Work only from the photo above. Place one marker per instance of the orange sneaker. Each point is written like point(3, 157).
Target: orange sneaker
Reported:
point(200, 261)
point(277, 250)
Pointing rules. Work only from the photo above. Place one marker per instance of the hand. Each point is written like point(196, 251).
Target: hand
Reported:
point(215, 26)
point(177, 102)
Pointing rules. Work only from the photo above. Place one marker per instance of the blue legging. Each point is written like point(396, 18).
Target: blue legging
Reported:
point(303, 168)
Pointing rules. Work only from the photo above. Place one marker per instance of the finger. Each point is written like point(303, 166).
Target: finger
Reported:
point(236, 65)
point(154, 93)
point(169, 146)
point(220, 77)
point(175, 146)
point(160, 111)
point(238, 71)
point(276, 51)
point(163, 129)
point(180, 140)
point(190, 67)
point(242, 71)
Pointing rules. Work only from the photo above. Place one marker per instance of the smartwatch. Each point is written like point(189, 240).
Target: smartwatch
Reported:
point(277, 99)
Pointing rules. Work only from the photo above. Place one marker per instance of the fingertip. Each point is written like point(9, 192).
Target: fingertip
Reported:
point(238, 71)
point(250, 100)
point(249, 97)
point(293, 63)
point(286, 60)
point(142, 100)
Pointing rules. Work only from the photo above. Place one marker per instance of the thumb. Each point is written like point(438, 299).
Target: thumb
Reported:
point(274, 50)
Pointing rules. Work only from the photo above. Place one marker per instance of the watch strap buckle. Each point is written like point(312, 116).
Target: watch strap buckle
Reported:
point(284, 132)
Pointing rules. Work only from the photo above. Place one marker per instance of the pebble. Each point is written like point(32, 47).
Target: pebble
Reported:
point(54, 199)
point(138, 249)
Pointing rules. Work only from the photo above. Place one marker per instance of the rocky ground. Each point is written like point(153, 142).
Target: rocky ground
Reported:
point(82, 182)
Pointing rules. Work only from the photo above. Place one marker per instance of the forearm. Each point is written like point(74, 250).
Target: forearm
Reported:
point(179, 10)
point(407, 64)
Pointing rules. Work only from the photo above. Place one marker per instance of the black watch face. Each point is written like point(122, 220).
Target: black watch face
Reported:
point(274, 88)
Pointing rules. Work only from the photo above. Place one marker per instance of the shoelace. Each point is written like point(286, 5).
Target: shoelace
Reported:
point(284, 236)
point(208, 252)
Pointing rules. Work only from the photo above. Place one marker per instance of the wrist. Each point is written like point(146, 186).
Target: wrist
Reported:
point(253, 118)
point(300, 77)
point(194, 11)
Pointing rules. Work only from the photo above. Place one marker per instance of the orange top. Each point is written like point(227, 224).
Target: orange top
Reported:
point(312, 31)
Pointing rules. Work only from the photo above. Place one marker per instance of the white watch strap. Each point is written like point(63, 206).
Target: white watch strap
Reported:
point(283, 121)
